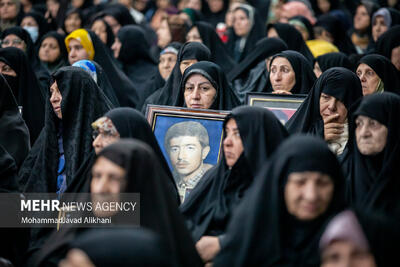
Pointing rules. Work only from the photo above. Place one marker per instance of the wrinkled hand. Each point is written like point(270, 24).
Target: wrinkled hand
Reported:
point(281, 92)
point(208, 247)
point(332, 129)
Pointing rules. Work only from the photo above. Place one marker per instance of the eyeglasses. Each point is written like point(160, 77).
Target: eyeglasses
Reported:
point(103, 134)
point(12, 42)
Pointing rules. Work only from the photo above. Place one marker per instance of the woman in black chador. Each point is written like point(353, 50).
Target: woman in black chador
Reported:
point(251, 75)
point(14, 135)
point(116, 124)
point(377, 74)
point(330, 60)
point(74, 102)
point(29, 48)
point(371, 160)
point(326, 110)
point(290, 73)
point(189, 53)
point(26, 89)
point(136, 169)
point(251, 135)
point(292, 38)
point(211, 92)
point(280, 221)
point(206, 34)
point(133, 51)
point(245, 33)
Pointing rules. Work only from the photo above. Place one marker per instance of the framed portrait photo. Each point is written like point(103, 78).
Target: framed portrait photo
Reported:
point(283, 106)
point(190, 140)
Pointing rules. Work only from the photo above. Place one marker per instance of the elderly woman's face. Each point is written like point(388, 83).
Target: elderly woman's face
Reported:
point(163, 34)
point(371, 135)
point(241, 23)
point(56, 99)
point(378, 27)
point(308, 194)
point(330, 106)
point(199, 92)
point(282, 75)
point(345, 253)
point(368, 77)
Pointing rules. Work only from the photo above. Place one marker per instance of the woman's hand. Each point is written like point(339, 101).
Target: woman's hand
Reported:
point(208, 247)
point(332, 129)
point(281, 92)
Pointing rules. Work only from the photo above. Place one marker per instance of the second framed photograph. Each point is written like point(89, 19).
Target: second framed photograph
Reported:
point(190, 140)
point(283, 106)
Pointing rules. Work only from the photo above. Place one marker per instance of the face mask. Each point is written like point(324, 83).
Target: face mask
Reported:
point(13, 83)
point(33, 32)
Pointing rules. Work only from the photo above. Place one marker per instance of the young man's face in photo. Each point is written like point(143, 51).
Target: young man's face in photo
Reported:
point(186, 154)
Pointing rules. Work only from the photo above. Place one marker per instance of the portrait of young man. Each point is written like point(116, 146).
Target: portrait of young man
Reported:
point(187, 145)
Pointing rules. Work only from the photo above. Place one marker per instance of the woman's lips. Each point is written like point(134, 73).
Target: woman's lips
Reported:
point(197, 106)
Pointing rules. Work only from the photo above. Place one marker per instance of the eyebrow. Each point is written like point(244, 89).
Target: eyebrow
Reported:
point(189, 83)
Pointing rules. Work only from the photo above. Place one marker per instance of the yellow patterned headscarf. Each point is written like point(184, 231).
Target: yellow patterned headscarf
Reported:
point(84, 38)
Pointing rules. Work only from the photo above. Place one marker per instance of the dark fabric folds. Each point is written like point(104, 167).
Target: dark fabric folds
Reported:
point(264, 48)
point(125, 250)
point(137, 62)
point(387, 41)
point(334, 59)
point(335, 27)
point(125, 91)
point(14, 134)
point(292, 38)
point(219, 53)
